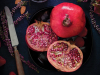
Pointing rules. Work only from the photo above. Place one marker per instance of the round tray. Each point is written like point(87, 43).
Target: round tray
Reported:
point(40, 58)
point(39, 1)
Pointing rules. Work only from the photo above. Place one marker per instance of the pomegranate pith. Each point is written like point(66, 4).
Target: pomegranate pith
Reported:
point(64, 56)
point(39, 36)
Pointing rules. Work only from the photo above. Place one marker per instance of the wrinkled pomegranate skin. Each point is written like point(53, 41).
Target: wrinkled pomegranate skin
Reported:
point(76, 15)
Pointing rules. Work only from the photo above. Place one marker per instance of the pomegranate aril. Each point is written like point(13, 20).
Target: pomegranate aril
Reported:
point(78, 60)
point(71, 52)
point(65, 62)
point(34, 42)
point(74, 50)
point(53, 50)
point(41, 45)
point(58, 44)
point(65, 49)
point(79, 57)
point(41, 33)
point(73, 62)
point(31, 30)
point(74, 56)
point(47, 28)
point(58, 55)
point(64, 44)
point(59, 49)
point(49, 41)
point(54, 59)
point(35, 37)
point(52, 55)
point(59, 62)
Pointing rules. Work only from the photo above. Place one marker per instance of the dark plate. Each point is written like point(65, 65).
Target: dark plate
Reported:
point(39, 1)
point(40, 57)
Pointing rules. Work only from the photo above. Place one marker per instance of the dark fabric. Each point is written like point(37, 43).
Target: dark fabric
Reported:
point(91, 67)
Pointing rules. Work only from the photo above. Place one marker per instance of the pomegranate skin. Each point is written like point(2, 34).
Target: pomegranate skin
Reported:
point(79, 41)
point(83, 33)
point(76, 16)
point(62, 67)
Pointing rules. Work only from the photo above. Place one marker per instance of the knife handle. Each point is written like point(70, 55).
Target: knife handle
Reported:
point(18, 62)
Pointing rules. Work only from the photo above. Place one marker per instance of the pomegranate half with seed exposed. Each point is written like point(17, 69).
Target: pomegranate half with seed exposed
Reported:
point(64, 56)
point(39, 36)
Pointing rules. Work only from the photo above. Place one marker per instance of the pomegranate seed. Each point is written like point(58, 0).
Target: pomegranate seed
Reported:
point(31, 30)
point(34, 42)
point(47, 28)
point(65, 49)
point(59, 49)
point(59, 62)
point(57, 56)
point(53, 59)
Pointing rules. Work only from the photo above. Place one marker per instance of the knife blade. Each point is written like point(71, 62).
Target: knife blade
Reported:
point(13, 36)
point(14, 40)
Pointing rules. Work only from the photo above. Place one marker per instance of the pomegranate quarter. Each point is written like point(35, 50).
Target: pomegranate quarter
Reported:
point(64, 56)
point(67, 19)
point(39, 36)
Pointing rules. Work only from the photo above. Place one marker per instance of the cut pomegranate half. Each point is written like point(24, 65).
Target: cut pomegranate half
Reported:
point(64, 56)
point(39, 36)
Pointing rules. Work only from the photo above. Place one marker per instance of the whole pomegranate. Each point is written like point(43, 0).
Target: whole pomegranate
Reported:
point(79, 41)
point(2, 61)
point(67, 19)
point(39, 36)
point(65, 56)
point(83, 33)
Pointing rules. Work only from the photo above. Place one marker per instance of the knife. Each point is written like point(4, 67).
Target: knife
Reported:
point(14, 41)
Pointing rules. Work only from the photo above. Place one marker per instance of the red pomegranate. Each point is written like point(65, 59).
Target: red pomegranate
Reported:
point(2, 61)
point(67, 19)
point(83, 33)
point(79, 41)
point(39, 36)
point(64, 56)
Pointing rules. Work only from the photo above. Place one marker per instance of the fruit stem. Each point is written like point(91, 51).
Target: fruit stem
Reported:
point(66, 21)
